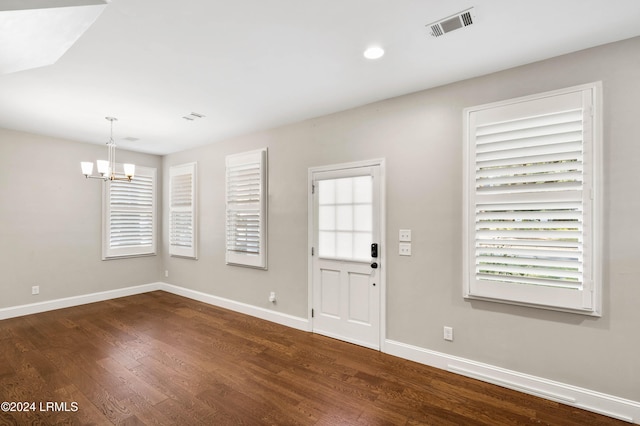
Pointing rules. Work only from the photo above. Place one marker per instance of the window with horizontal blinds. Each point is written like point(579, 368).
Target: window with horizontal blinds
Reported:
point(182, 211)
point(129, 216)
point(531, 177)
point(246, 214)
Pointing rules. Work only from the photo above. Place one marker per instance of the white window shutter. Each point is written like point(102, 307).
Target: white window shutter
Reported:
point(129, 215)
point(246, 209)
point(530, 221)
point(182, 211)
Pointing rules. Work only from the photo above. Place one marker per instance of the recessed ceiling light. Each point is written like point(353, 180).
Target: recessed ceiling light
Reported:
point(374, 52)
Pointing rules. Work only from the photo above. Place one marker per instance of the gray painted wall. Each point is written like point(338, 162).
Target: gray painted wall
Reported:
point(50, 219)
point(51, 222)
point(420, 135)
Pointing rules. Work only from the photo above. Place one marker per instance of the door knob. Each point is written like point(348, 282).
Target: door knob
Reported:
point(374, 265)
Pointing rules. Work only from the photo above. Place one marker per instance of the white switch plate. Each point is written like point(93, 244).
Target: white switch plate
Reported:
point(404, 249)
point(35, 289)
point(404, 235)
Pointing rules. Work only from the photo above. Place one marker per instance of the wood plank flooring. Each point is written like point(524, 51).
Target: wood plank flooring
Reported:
point(158, 358)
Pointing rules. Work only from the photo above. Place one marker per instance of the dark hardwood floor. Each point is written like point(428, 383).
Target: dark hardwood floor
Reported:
point(158, 358)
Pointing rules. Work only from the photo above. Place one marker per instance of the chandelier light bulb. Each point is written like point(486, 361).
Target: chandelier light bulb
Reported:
point(103, 167)
point(87, 168)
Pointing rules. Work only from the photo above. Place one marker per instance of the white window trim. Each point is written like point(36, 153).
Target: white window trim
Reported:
point(108, 252)
point(184, 250)
point(238, 257)
point(587, 300)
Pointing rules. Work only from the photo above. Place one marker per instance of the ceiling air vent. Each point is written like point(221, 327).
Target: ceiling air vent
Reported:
point(452, 23)
point(193, 116)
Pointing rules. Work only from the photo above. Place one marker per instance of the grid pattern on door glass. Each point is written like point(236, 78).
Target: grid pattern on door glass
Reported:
point(345, 218)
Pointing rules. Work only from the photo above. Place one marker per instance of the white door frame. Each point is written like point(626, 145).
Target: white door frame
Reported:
point(382, 253)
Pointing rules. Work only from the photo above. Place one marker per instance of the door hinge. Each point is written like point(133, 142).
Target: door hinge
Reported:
point(312, 313)
point(313, 188)
point(312, 251)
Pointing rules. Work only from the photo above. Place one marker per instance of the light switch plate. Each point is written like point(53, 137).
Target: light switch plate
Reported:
point(404, 235)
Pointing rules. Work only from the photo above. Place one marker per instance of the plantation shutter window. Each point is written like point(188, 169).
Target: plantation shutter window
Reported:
point(129, 215)
point(246, 209)
point(182, 211)
point(531, 222)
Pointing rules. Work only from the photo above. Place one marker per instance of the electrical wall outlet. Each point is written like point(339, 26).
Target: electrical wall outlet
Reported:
point(404, 249)
point(166, 274)
point(448, 334)
point(272, 297)
point(35, 289)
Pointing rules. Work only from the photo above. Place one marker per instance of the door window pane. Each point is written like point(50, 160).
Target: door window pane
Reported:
point(344, 191)
point(362, 189)
point(344, 245)
point(327, 244)
point(327, 219)
point(362, 245)
point(345, 218)
point(327, 192)
point(362, 218)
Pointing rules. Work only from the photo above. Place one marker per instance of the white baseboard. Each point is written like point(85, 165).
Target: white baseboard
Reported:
point(266, 314)
point(67, 302)
point(608, 405)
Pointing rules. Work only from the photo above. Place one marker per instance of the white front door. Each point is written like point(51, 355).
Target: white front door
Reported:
point(346, 270)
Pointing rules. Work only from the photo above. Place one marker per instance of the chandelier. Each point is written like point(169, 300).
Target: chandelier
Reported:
point(107, 168)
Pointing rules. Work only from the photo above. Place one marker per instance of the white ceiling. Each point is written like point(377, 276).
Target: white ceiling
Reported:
point(255, 64)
